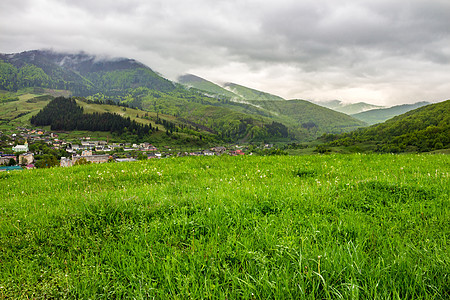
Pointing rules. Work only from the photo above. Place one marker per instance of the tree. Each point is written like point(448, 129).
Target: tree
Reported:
point(82, 161)
point(12, 162)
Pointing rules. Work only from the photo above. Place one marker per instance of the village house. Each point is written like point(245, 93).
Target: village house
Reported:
point(154, 155)
point(128, 159)
point(65, 162)
point(208, 153)
point(87, 155)
point(236, 153)
point(99, 148)
point(88, 145)
point(219, 150)
point(26, 158)
point(5, 158)
point(197, 153)
point(21, 148)
point(148, 147)
point(97, 159)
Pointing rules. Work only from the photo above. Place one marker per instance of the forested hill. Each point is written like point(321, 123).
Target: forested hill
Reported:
point(64, 114)
point(380, 115)
point(202, 104)
point(424, 129)
point(250, 94)
point(203, 85)
point(82, 74)
point(347, 108)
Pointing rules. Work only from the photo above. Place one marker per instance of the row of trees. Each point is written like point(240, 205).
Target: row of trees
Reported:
point(64, 114)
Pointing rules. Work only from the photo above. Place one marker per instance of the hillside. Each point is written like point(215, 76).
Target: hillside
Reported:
point(380, 115)
point(209, 87)
point(123, 81)
point(231, 91)
point(305, 119)
point(347, 108)
point(250, 94)
point(423, 129)
point(16, 108)
point(229, 112)
point(82, 74)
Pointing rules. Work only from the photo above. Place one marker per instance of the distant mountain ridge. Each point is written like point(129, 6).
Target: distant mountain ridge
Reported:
point(347, 108)
point(211, 88)
point(251, 94)
point(305, 119)
point(380, 115)
point(80, 73)
point(423, 129)
point(233, 91)
point(233, 111)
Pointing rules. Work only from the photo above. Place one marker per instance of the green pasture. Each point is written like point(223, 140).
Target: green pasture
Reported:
point(291, 227)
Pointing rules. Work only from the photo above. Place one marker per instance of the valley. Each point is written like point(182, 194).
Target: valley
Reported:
point(135, 186)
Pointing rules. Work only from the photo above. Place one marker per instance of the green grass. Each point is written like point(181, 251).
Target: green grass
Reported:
point(304, 227)
point(30, 101)
point(18, 113)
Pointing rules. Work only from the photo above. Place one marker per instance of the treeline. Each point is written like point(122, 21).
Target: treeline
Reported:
point(277, 129)
point(64, 114)
point(420, 130)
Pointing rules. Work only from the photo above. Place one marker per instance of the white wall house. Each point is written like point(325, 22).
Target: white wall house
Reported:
point(21, 148)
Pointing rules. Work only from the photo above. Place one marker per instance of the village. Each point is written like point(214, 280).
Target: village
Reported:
point(17, 151)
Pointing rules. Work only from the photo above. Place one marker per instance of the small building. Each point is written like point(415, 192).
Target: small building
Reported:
point(154, 155)
point(26, 158)
point(65, 162)
point(21, 148)
point(208, 153)
point(86, 153)
point(5, 158)
point(129, 159)
point(196, 153)
point(236, 153)
point(240, 152)
point(219, 150)
point(97, 159)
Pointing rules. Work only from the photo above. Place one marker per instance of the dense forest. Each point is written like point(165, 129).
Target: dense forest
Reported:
point(64, 114)
point(12, 78)
point(420, 130)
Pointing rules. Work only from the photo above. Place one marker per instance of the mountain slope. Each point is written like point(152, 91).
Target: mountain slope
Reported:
point(82, 74)
point(307, 118)
point(236, 113)
point(347, 108)
point(250, 94)
point(382, 114)
point(211, 88)
point(424, 129)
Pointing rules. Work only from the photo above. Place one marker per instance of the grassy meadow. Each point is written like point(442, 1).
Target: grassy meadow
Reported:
point(304, 227)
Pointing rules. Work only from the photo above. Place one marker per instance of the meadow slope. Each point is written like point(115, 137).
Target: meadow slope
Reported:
point(338, 226)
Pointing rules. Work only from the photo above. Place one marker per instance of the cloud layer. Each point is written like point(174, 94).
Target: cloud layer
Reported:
point(384, 52)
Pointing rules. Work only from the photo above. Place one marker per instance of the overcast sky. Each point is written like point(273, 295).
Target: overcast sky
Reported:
point(379, 51)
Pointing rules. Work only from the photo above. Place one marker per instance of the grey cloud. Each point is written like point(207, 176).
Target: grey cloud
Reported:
point(309, 48)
